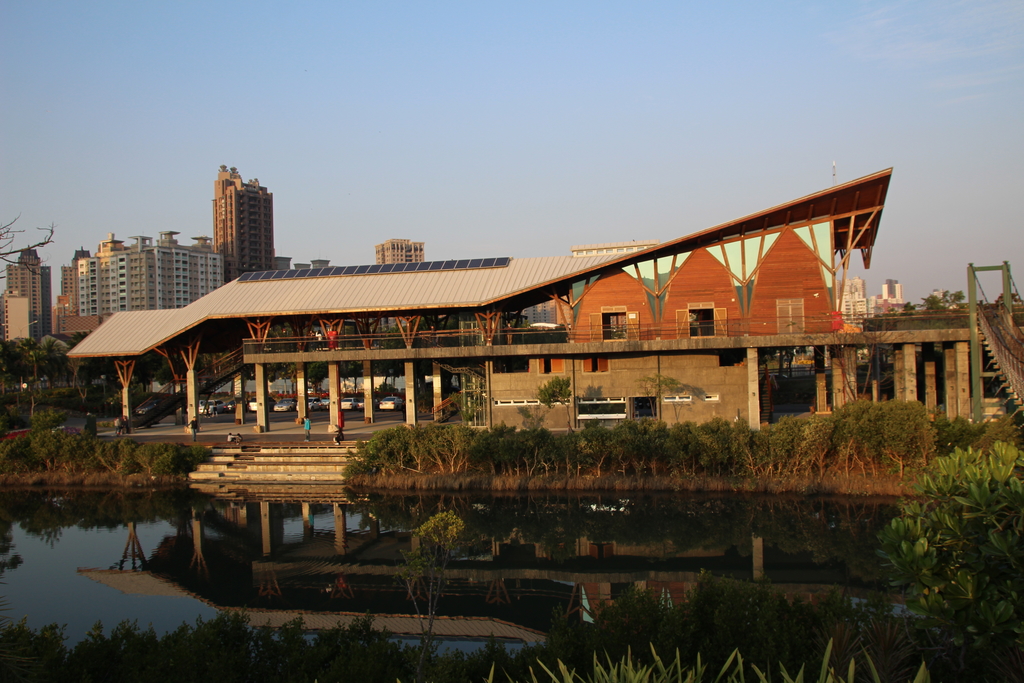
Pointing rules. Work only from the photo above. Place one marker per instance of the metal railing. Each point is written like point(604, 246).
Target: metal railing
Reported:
point(515, 336)
point(1005, 345)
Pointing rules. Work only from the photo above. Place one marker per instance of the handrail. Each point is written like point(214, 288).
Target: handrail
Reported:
point(1005, 345)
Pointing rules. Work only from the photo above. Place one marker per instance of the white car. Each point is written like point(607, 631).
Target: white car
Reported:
point(391, 403)
point(319, 403)
point(285, 405)
point(351, 403)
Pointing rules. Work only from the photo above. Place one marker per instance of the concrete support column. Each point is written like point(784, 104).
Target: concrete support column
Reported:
point(820, 385)
point(265, 527)
point(438, 395)
point(963, 379)
point(410, 393)
point(334, 389)
point(758, 557)
point(340, 530)
point(191, 394)
point(489, 404)
point(239, 394)
point(949, 392)
point(909, 372)
point(374, 529)
point(931, 391)
point(368, 391)
point(262, 398)
point(301, 400)
point(197, 535)
point(844, 375)
point(753, 390)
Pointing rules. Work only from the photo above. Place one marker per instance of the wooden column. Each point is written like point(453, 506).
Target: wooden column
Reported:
point(368, 391)
point(125, 369)
point(753, 391)
point(758, 557)
point(820, 385)
point(410, 393)
point(334, 388)
point(190, 354)
point(262, 407)
point(438, 395)
point(265, 527)
point(239, 392)
point(301, 402)
point(931, 393)
point(489, 404)
point(340, 530)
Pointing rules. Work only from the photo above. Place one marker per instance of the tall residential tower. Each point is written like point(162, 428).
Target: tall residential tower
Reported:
point(243, 224)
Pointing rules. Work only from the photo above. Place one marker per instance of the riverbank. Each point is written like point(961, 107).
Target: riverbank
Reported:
point(886, 486)
point(92, 480)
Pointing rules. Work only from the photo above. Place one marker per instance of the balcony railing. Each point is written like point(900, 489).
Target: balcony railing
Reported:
point(612, 334)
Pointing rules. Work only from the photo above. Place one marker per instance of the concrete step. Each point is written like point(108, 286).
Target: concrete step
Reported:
point(319, 467)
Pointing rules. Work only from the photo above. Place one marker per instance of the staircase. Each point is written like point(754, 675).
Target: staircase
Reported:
point(446, 408)
point(209, 379)
point(1006, 347)
point(275, 463)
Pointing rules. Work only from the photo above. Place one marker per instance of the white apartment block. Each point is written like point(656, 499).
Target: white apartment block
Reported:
point(147, 276)
point(855, 299)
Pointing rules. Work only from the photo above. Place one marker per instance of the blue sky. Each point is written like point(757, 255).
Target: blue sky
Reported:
point(516, 129)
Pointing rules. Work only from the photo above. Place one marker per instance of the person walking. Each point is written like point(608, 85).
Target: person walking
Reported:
point(307, 426)
point(193, 426)
point(118, 426)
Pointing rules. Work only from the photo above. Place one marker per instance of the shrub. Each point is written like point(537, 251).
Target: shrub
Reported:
point(45, 420)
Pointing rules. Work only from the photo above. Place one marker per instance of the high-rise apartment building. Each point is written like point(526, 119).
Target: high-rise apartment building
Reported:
point(67, 300)
point(891, 298)
point(855, 299)
point(400, 251)
point(243, 224)
point(27, 297)
point(146, 275)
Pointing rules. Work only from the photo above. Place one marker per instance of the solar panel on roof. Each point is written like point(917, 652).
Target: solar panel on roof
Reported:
point(374, 269)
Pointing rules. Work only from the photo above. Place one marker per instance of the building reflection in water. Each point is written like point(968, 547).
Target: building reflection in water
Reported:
point(328, 558)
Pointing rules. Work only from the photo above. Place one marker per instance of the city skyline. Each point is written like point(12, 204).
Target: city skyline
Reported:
point(517, 131)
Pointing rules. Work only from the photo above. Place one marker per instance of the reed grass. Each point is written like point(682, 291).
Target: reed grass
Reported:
point(829, 485)
point(90, 480)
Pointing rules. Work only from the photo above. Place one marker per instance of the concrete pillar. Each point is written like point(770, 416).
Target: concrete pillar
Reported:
point(910, 372)
point(262, 399)
point(307, 521)
point(340, 530)
point(488, 403)
point(368, 391)
point(410, 393)
point(191, 394)
point(265, 527)
point(301, 400)
point(758, 557)
point(820, 385)
point(931, 392)
point(197, 535)
point(753, 390)
point(374, 527)
point(334, 389)
point(963, 379)
point(898, 374)
point(844, 375)
point(949, 393)
point(438, 395)
point(239, 394)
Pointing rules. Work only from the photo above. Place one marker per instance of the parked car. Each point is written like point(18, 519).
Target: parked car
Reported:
point(212, 407)
point(319, 403)
point(251, 405)
point(351, 403)
point(391, 403)
point(285, 405)
point(228, 407)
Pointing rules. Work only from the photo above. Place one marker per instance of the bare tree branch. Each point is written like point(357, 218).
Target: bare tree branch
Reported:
point(9, 235)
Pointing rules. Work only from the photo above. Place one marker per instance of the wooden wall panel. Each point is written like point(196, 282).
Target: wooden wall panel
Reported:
point(790, 271)
point(613, 289)
point(703, 279)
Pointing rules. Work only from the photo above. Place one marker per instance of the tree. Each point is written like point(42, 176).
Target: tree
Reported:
point(960, 550)
point(9, 235)
point(557, 390)
point(943, 301)
point(655, 386)
point(424, 573)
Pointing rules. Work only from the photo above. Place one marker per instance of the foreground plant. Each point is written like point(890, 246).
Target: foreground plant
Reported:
point(960, 550)
point(628, 670)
